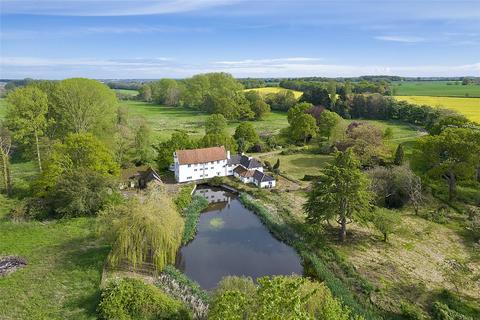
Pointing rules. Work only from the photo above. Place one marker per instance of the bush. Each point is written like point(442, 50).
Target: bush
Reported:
point(192, 214)
point(411, 311)
point(184, 197)
point(128, 298)
point(442, 312)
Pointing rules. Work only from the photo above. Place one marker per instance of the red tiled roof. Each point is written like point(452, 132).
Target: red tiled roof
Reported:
point(201, 155)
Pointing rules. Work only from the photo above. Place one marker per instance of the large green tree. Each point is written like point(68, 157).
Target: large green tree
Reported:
point(27, 116)
point(326, 122)
point(84, 105)
point(302, 128)
point(257, 104)
point(452, 155)
point(246, 136)
point(341, 194)
point(216, 123)
point(79, 150)
point(165, 149)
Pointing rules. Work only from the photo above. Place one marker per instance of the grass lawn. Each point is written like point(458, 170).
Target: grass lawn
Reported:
point(436, 88)
point(165, 120)
point(64, 258)
point(470, 107)
point(299, 165)
point(267, 90)
point(127, 92)
point(62, 277)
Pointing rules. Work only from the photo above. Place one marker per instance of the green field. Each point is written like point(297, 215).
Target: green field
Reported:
point(166, 120)
point(131, 93)
point(301, 164)
point(470, 107)
point(267, 90)
point(62, 277)
point(64, 262)
point(435, 88)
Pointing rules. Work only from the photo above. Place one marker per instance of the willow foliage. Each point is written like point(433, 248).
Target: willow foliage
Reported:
point(143, 230)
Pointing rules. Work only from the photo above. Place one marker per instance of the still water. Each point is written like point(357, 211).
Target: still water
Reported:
point(231, 240)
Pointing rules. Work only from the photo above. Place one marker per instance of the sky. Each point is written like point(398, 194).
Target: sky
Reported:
point(152, 39)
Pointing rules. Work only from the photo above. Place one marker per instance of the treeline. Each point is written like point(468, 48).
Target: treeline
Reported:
point(215, 93)
point(362, 86)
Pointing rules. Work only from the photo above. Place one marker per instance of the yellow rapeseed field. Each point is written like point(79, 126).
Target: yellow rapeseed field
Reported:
point(268, 90)
point(470, 107)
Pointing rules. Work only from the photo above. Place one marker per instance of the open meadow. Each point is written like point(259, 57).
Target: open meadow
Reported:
point(127, 92)
point(436, 89)
point(470, 107)
point(267, 90)
point(166, 120)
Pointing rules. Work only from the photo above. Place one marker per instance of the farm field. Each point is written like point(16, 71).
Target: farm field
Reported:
point(470, 107)
point(127, 92)
point(267, 90)
point(436, 88)
point(166, 120)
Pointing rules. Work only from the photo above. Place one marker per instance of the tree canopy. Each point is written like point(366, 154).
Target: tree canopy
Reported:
point(341, 193)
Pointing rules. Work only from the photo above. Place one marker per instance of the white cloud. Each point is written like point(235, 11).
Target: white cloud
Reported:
point(404, 39)
point(107, 7)
point(57, 68)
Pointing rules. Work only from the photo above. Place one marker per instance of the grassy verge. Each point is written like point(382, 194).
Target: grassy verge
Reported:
point(192, 214)
point(61, 279)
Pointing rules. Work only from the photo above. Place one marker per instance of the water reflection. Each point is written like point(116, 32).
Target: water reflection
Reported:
point(231, 240)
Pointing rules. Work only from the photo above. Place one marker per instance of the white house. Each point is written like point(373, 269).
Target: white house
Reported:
point(206, 163)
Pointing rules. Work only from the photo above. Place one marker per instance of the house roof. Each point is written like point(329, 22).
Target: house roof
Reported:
point(201, 155)
point(241, 171)
point(249, 163)
point(262, 177)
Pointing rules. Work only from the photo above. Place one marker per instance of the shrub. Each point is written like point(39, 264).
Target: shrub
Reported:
point(128, 298)
point(411, 311)
point(192, 214)
point(279, 297)
point(184, 197)
point(442, 312)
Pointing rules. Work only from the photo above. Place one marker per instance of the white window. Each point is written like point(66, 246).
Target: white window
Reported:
point(189, 165)
point(189, 178)
point(218, 173)
point(212, 168)
point(194, 169)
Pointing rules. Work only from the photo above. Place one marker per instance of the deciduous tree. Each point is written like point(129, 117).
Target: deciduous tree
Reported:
point(341, 193)
point(26, 116)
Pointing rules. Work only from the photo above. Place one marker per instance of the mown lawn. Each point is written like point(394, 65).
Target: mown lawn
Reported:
point(267, 90)
point(301, 164)
point(470, 107)
point(166, 120)
point(436, 88)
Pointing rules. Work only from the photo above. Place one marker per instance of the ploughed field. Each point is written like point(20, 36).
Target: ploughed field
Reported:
point(470, 107)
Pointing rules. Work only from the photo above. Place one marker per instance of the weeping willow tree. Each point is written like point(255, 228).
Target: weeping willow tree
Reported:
point(143, 230)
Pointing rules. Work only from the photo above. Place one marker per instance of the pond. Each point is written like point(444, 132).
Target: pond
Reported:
point(231, 240)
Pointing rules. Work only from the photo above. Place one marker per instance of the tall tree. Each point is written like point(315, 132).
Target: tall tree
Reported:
point(26, 116)
point(216, 123)
point(257, 104)
point(399, 155)
point(342, 193)
point(85, 105)
point(326, 122)
point(5, 149)
point(453, 155)
point(246, 136)
point(332, 93)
